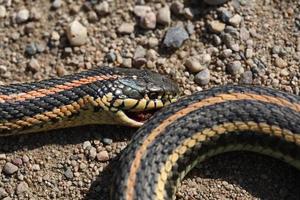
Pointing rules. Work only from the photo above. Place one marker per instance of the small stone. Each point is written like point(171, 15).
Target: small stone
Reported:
point(92, 153)
point(235, 47)
point(151, 55)
point(111, 56)
point(126, 28)
point(30, 49)
point(190, 28)
point(177, 7)
point(102, 8)
point(203, 77)
point(92, 16)
point(224, 15)
point(36, 167)
point(22, 188)
point(68, 173)
point(2, 11)
point(127, 62)
point(22, 16)
point(107, 141)
point(226, 53)
point(284, 72)
point(40, 47)
point(56, 4)
point(102, 156)
point(77, 34)
point(55, 36)
point(3, 193)
point(279, 62)
point(82, 166)
point(235, 68)
point(189, 13)
point(249, 53)
point(17, 161)
point(193, 65)
point(246, 78)
point(25, 159)
point(175, 37)
point(244, 34)
point(35, 14)
point(141, 11)
point(60, 70)
point(153, 42)
point(216, 26)
point(140, 52)
point(164, 16)
point(33, 65)
point(87, 145)
point(235, 20)
point(2, 155)
point(148, 21)
point(10, 168)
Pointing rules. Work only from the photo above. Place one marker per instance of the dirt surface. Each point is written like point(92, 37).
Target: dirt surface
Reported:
point(252, 42)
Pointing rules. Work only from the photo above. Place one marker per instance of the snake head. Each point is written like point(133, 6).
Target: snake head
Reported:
point(137, 93)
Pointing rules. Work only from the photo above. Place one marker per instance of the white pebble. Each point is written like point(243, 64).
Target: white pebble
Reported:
point(77, 34)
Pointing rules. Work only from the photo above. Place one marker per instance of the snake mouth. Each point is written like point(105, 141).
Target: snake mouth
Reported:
point(141, 116)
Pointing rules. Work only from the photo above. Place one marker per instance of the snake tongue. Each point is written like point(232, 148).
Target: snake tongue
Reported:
point(140, 116)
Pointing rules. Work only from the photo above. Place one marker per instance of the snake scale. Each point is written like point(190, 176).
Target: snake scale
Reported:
point(174, 139)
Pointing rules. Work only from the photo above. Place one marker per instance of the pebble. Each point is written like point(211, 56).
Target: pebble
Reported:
point(2, 11)
point(249, 53)
point(140, 52)
point(107, 141)
point(141, 11)
point(279, 62)
point(33, 65)
point(216, 26)
point(92, 16)
point(235, 68)
point(224, 15)
point(153, 42)
point(284, 72)
point(148, 21)
point(40, 47)
point(111, 56)
point(55, 36)
point(244, 34)
point(22, 16)
point(25, 159)
point(164, 15)
point(68, 173)
point(188, 13)
point(36, 167)
point(102, 8)
point(175, 37)
point(76, 33)
point(193, 65)
point(127, 62)
point(246, 78)
point(22, 188)
point(102, 156)
point(3, 193)
point(2, 155)
point(87, 145)
point(92, 153)
point(126, 28)
point(190, 28)
point(17, 161)
point(202, 78)
point(56, 4)
point(177, 7)
point(235, 20)
point(10, 168)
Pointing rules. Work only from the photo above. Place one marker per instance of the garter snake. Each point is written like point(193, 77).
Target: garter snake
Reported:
point(174, 140)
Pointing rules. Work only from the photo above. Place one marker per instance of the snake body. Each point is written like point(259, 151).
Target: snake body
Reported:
point(175, 139)
point(222, 119)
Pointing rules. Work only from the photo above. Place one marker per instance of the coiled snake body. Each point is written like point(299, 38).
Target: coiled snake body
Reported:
point(175, 139)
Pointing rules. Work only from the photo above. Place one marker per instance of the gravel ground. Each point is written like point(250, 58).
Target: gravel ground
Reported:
point(199, 46)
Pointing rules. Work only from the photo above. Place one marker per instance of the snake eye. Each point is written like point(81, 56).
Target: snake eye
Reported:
point(153, 95)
